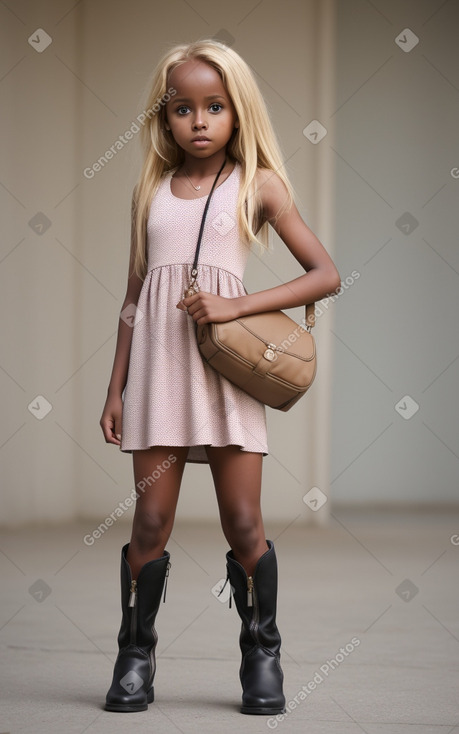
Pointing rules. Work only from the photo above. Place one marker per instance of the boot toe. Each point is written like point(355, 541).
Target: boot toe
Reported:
point(262, 679)
point(131, 688)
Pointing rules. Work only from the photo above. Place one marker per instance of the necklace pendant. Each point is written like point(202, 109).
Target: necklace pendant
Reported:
point(198, 188)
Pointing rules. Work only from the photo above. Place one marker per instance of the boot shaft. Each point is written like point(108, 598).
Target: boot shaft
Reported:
point(256, 600)
point(140, 599)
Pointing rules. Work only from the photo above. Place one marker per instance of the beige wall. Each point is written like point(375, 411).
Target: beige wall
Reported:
point(396, 117)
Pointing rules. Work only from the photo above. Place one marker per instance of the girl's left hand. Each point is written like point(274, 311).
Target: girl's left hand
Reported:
point(206, 307)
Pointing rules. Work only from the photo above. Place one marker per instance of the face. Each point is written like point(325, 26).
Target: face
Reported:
point(200, 108)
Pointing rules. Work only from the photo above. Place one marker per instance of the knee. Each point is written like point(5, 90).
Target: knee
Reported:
point(244, 531)
point(150, 531)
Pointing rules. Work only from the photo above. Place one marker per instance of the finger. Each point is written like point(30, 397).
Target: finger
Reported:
point(189, 300)
point(200, 316)
point(117, 434)
point(107, 430)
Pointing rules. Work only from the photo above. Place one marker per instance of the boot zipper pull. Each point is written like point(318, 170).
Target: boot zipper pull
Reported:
point(249, 591)
point(167, 576)
point(133, 595)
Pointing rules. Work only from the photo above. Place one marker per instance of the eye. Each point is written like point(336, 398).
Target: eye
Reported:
point(216, 104)
point(182, 107)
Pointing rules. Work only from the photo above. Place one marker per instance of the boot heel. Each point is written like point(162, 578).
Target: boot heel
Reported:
point(126, 708)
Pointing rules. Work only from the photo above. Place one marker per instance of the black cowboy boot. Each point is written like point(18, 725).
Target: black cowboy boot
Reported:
point(135, 666)
point(256, 597)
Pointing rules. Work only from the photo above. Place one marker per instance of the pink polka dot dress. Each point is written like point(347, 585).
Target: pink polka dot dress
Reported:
point(172, 397)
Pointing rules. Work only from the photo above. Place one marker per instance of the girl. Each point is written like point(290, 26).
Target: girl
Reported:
point(209, 116)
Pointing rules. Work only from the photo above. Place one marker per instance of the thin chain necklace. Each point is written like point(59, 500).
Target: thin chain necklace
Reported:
point(196, 188)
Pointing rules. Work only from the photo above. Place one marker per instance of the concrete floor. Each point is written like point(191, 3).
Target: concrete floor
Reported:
point(384, 585)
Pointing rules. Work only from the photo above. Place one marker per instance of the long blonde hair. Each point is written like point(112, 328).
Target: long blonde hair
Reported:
point(253, 144)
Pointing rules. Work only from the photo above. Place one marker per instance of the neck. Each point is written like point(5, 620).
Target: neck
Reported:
point(202, 167)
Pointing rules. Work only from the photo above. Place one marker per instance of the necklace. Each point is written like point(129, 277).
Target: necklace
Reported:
point(196, 188)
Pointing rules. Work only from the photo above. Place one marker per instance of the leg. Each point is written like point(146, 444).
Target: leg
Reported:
point(157, 481)
point(252, 571)
point(144, 569)
point(237, 479)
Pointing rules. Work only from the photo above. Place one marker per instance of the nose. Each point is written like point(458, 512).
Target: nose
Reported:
point(199, 123)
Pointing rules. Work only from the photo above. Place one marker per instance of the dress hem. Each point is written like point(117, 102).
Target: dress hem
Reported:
point(196, 445)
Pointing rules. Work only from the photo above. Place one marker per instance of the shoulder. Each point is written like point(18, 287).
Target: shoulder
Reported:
point(272, 191)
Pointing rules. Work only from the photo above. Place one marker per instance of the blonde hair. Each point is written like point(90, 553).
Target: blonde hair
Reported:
point(253, 144)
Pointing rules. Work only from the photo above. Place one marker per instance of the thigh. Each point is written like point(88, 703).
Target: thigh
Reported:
point(158, 475)
point(237, 477)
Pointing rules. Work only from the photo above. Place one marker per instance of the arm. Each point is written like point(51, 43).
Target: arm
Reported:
point(321, 277)
point(110, 421)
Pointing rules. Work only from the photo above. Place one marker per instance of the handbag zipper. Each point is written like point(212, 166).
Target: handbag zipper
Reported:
point(280, 349)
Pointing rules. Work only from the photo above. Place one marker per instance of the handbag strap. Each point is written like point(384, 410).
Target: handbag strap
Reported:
point(194, 270)
point(310, 315)
point(309, 309)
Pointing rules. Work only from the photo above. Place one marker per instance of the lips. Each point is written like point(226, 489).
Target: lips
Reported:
point(199, 138)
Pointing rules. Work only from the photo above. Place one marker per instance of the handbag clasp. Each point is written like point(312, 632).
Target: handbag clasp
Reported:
point(193, 288)
point(270, 353)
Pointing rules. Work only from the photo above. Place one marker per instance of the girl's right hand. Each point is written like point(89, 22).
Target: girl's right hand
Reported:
point(110, 421)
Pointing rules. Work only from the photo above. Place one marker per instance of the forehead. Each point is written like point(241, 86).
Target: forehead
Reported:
point(196, 77)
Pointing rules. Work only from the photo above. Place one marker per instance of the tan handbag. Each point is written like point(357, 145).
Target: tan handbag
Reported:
point(268, 355)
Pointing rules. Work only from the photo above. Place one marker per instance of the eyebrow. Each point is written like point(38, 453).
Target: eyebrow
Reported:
point(187, 99)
